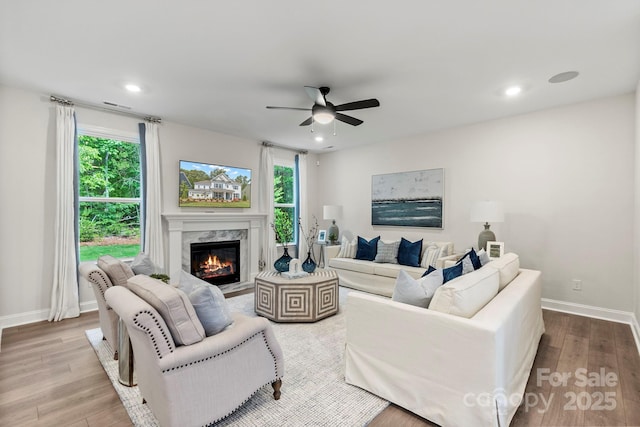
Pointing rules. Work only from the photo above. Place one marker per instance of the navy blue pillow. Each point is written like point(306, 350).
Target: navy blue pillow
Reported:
point(429, 270)
point(367, 250)
point(473, 256)
point(452, 272)
point(409, 253)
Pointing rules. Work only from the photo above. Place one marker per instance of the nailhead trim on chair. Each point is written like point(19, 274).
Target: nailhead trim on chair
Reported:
point(214, 355)
point(102, 284)
point(152, 336)
point(275, 364)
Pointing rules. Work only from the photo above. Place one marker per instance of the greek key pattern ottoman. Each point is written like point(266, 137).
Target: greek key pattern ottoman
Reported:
point(306, 299)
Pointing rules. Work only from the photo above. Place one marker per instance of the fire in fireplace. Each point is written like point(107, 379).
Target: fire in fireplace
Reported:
point(216, 262)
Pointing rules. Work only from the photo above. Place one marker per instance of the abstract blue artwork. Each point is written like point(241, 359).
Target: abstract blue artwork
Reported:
point(410, 199)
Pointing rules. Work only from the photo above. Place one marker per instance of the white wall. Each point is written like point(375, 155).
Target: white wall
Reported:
point(565, 175)
point(27, 190)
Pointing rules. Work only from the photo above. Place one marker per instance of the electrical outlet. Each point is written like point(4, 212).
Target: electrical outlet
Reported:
point(577, 284)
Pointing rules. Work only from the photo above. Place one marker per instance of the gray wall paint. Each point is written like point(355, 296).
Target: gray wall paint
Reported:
point(565, 175)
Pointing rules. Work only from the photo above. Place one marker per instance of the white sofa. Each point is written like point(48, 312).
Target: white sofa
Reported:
point(377, 278)
point(450, 369)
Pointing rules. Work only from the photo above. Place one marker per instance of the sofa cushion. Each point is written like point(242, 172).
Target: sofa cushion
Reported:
point(409, 252)
point(352, 265)
point(416, 292)
point(431, 255)
point(208, 301)
point(508, 266)
point(387, 252)
point(348, 248)
point(118, 271)
point(392, 270)
point(466, 295)
point(367, 248)
point(174, 307)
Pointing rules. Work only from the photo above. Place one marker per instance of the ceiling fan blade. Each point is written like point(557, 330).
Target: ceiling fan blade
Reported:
point(358, 105)
point(316, 95)
point(307, 122)
point(348, 119)
point(287, 108)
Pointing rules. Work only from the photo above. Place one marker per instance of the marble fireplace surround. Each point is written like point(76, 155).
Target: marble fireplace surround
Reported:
point(185, 228)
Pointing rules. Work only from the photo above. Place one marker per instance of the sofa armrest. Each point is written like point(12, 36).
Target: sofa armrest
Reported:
point(242, 330)
point(425, 346)
point(448, 261)
point(331, 252)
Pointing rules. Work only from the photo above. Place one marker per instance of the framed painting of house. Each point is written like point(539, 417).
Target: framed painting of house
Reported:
point(410, 199)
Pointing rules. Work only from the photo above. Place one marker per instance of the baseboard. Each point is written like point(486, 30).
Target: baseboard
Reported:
point(39, 315)
point(597, 313)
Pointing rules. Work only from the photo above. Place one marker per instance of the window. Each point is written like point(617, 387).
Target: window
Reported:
point(284, 197)
point(109, 190)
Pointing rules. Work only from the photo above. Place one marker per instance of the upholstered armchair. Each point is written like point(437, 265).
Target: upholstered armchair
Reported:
point(208, 377)
point(100, 282)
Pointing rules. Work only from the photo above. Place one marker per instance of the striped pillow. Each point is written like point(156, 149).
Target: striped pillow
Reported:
point(431, 255)
point(347, 249)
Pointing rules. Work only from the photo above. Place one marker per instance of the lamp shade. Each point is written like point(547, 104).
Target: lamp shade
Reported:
point(487, 211)
point(332, 212)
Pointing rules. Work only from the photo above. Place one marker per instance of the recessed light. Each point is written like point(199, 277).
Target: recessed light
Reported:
point(133, 88)
point(319, 139)
point(563, 77)
point(513, 91)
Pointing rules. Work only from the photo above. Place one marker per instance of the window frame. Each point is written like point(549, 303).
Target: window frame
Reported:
point(289, 163)
point(116, 135)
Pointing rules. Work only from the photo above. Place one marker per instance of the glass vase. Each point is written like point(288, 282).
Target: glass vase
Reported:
point(309, 265)
point(282, 263)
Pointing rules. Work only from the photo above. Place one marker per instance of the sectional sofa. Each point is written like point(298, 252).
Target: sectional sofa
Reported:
point(463, 361)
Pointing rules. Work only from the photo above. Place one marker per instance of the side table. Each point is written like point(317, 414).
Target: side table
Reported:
point(306, 299)
point(321, 259)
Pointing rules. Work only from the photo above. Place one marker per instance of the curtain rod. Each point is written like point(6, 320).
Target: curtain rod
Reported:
point(271, 144)
point(67, 101)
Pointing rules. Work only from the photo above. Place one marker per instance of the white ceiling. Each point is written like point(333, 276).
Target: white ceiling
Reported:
point(433, 64)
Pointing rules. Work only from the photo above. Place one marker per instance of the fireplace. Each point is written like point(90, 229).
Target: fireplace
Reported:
point(216, 262)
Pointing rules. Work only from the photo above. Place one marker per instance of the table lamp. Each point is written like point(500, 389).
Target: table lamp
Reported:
point(486, 211)
point(332, 212)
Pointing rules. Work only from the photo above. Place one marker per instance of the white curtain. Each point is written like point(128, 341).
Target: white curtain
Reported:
point(153, 245)
point(268, 251)
point(307, 220)
point(64, 295)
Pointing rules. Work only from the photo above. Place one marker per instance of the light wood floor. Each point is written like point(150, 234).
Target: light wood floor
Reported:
point(50, 376)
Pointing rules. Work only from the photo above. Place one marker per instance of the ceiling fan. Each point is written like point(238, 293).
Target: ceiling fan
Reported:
point(324, 112)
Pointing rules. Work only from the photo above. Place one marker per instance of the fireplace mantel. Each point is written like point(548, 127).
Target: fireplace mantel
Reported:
point(179, 223)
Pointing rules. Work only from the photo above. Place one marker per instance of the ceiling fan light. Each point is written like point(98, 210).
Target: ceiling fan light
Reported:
point(323, 117)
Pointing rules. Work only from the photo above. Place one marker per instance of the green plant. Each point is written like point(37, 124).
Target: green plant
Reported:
point(162, 277)
point(333, 238)
point(282, 227)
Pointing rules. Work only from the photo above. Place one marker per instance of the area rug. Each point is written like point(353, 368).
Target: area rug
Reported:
point(314, 392)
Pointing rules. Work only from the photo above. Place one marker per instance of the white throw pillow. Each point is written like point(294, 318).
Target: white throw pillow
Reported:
point(431, 255)
point(484, 257)
point(208, 301)
point(348, 249)
point(417, 292)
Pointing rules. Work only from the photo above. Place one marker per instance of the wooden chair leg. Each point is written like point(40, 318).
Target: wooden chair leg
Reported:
point(276, 389)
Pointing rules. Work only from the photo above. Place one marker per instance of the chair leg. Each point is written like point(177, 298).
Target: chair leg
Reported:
point(276, 389)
